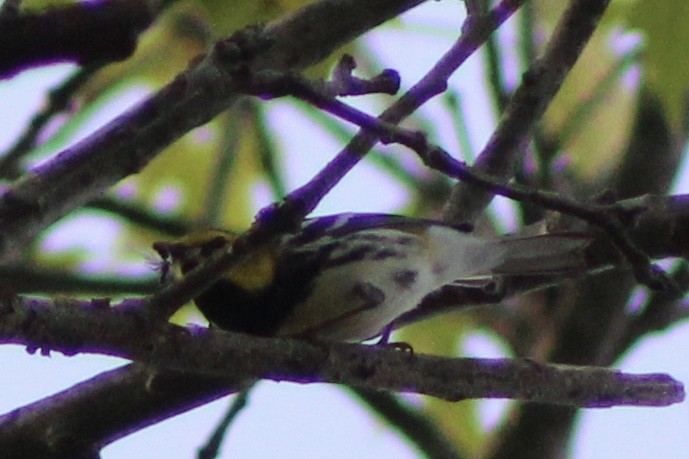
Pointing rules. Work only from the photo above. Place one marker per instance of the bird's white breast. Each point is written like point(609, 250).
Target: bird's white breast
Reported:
point(357, 299)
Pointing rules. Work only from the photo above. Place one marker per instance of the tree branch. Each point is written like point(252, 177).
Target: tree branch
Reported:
point(84, 34)
point(124, 146)
point(474, 33)
point(75, 327)
point(539, 85)
point(81, 420)
point(418, 428)
point(189, 367)
point(613, 220)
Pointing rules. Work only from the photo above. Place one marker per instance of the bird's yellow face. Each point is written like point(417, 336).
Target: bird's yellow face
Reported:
point(183, 255)
point(243, 298)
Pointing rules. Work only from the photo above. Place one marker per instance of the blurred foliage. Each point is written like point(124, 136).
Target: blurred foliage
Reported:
point(597, 124)
point(641, 44)
point(663, 24)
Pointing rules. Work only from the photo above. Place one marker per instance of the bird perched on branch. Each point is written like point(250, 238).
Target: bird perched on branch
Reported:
point(347, 277)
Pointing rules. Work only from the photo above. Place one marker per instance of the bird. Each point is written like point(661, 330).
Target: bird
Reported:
point(347, 277)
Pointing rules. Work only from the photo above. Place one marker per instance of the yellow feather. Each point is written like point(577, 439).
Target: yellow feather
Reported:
point(256, 272)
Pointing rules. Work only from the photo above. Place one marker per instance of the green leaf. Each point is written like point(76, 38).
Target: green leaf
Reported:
point(663, 24)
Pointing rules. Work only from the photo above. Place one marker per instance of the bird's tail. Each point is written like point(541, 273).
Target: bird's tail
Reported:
point(556, 253)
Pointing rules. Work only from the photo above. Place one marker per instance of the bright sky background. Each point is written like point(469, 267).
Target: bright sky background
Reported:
point(288, 420)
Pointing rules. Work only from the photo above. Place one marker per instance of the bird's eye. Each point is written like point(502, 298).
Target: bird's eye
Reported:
point(163, 249)
point(210, 246)
point(188, 265)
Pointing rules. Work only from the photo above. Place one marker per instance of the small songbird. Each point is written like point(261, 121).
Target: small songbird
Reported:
point(347, 277)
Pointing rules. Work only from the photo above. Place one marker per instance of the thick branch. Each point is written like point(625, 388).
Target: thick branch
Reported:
point(196, 367)
point(81, 420)
point(123, 147)
point(73, 327)
point(79, 33)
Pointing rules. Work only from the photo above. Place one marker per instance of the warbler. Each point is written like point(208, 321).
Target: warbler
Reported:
point(347, 277)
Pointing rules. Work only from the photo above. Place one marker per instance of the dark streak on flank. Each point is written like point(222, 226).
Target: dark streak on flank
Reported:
point(406, 278)
point(382, 254)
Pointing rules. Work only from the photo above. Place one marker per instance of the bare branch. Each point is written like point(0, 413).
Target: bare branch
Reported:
point(474, 33)
point(102, 410)
point(77, 33)
point(59, 99)
point(539, 85)
point(413, 422)
point(124, 146)
point(91, 327)
point(613, 220)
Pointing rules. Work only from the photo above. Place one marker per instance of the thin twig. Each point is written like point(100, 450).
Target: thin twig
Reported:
point(212, 447)
point(59, 100)
point(660, 312)
point(456, 110)
point(124, 146)
point(142, 217)
point(268, 152)
point(539, 85)
point(411, 422)
point(233, 125)
point(475, 32)
point(611, 219)
point(36, 279)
